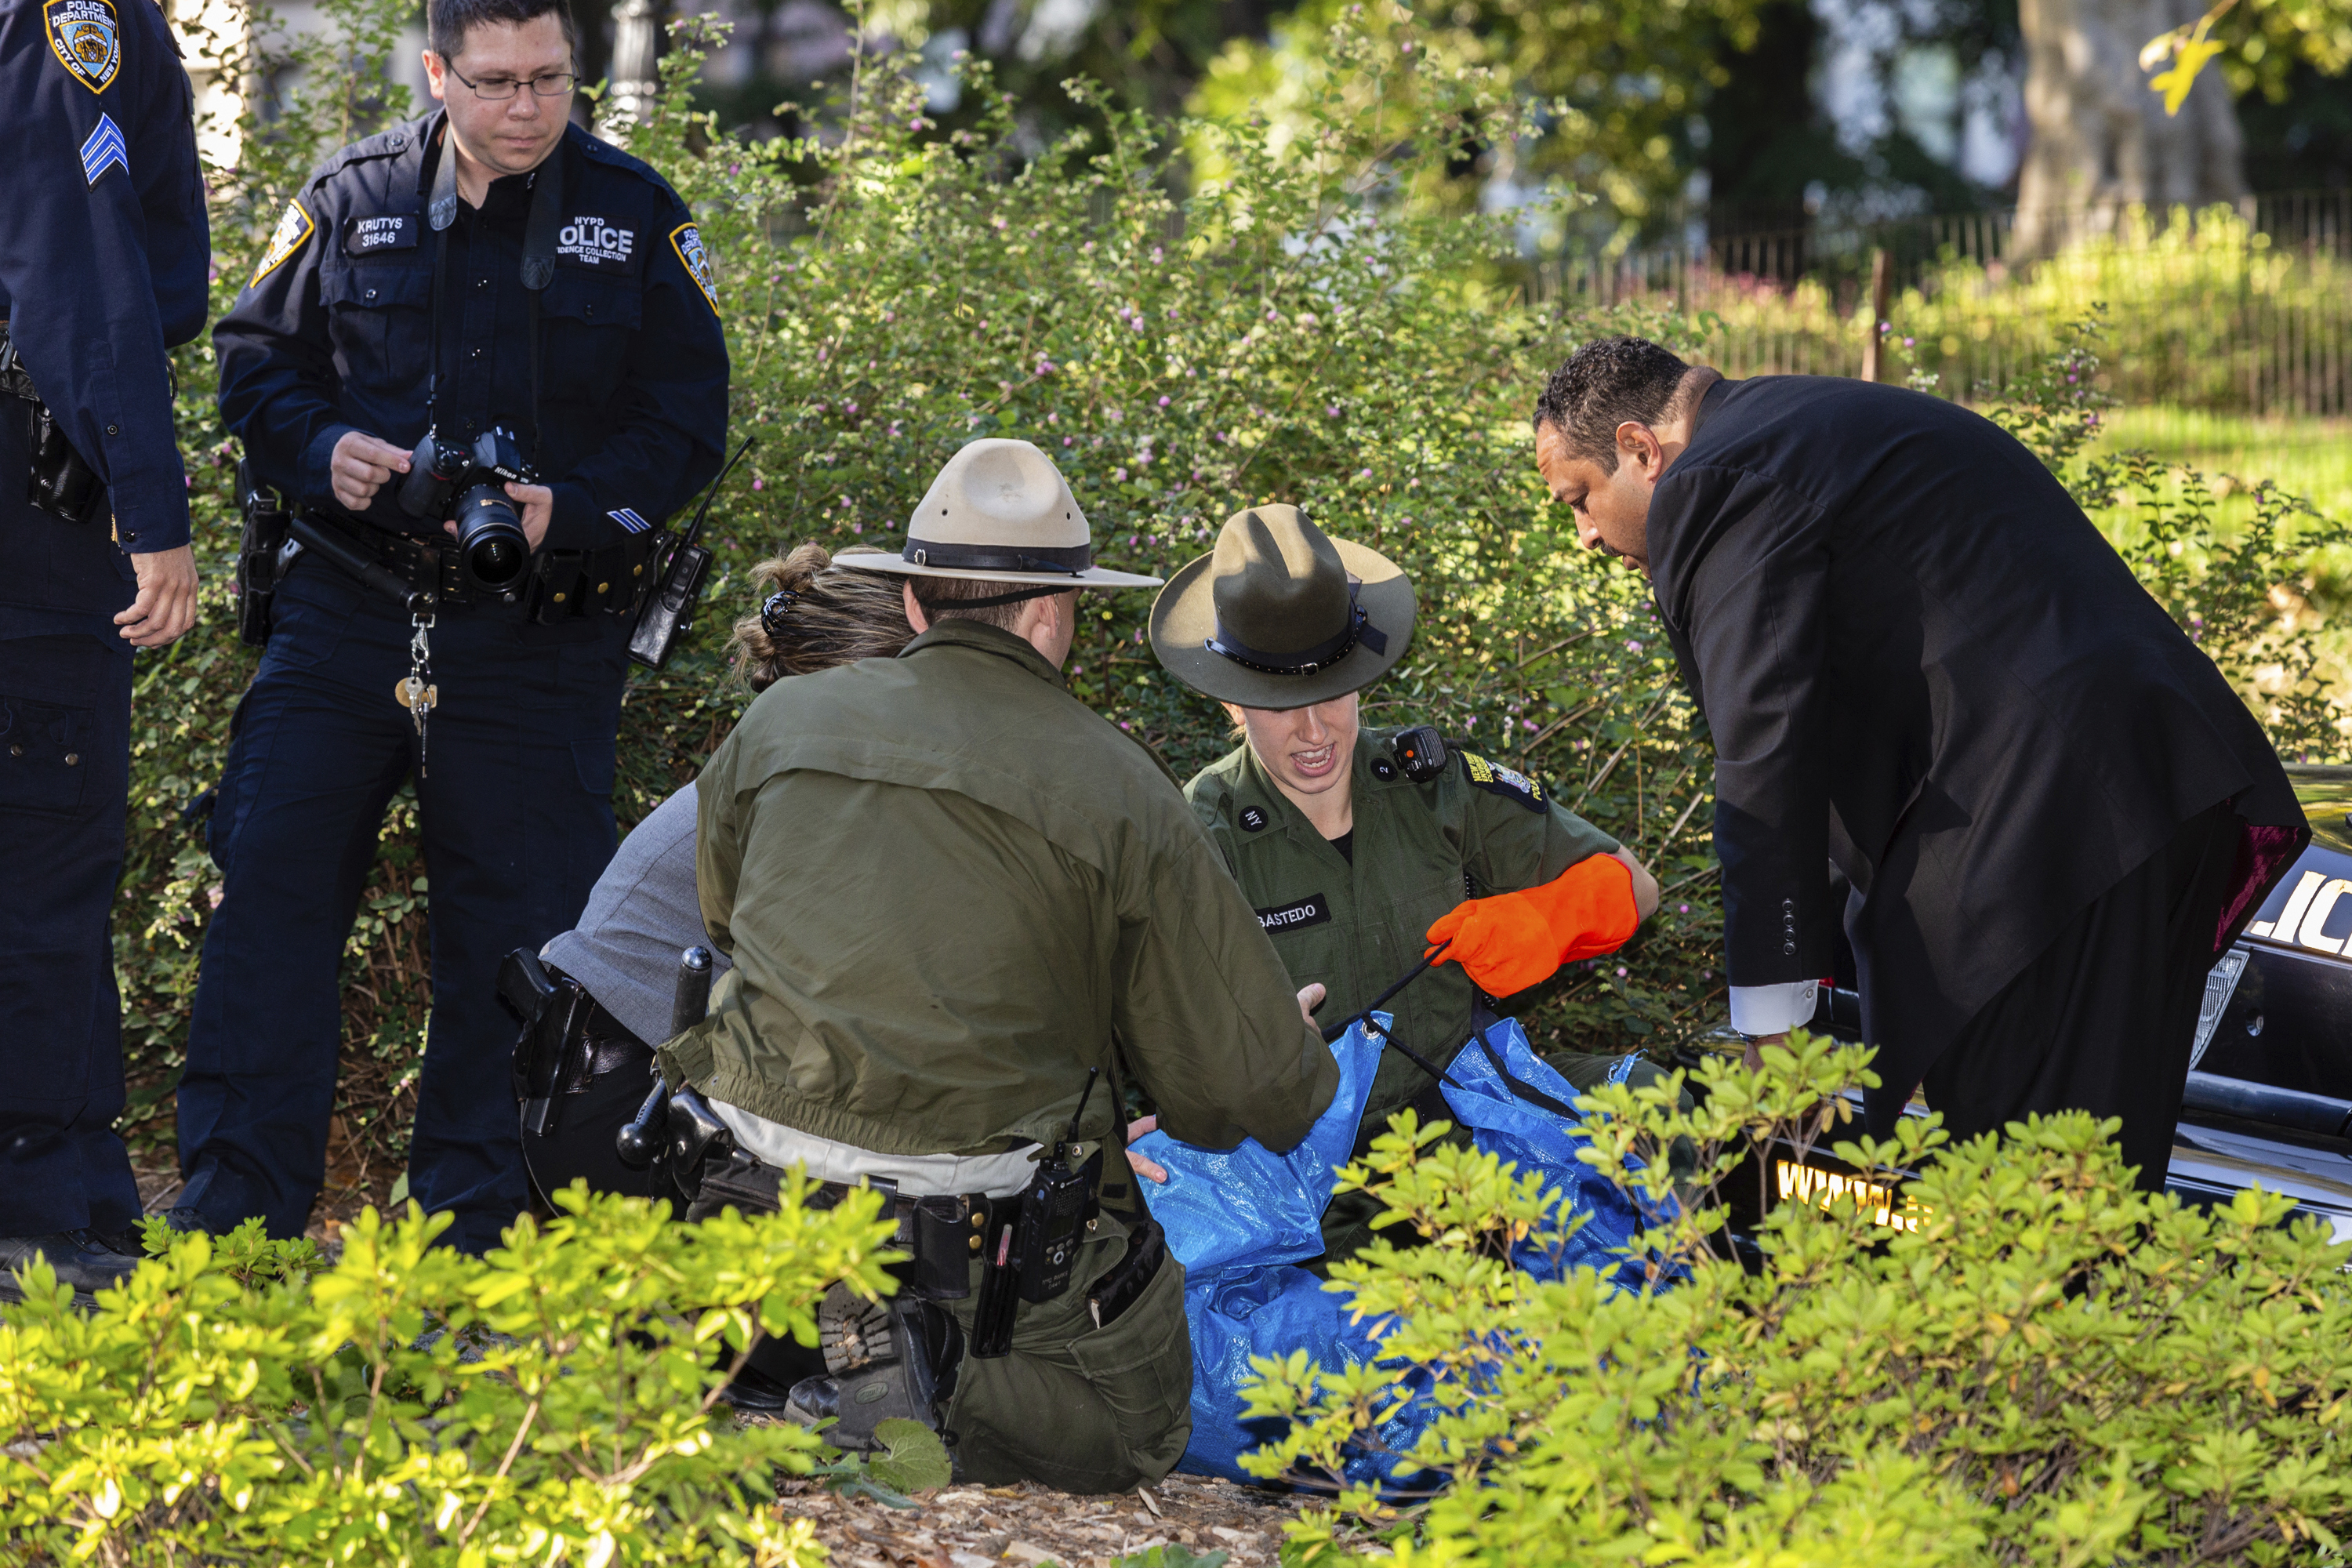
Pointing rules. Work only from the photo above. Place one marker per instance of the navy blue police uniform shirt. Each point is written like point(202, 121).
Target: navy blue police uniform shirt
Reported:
point(105, 255)
point(333, 334)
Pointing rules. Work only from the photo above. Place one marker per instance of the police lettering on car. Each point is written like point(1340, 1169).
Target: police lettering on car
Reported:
point(470, 383)
point(104, 268)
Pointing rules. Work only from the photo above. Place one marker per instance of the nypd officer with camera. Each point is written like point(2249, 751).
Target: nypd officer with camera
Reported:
point(103, 266)
point(479, 364)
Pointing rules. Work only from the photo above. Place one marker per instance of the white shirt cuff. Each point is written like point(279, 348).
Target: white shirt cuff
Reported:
point(1773, 1009)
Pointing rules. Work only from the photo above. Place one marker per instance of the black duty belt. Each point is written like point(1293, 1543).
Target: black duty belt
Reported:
point(563, 585)
point(942, 1235)
point(423, 566)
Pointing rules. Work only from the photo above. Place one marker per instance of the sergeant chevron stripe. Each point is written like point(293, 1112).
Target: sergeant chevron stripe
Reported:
point(105, 149)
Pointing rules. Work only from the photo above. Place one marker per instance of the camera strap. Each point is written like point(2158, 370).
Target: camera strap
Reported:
point(540, 234)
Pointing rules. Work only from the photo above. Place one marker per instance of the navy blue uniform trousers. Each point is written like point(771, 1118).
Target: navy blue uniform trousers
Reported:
point(65, 772)
point(515, 802)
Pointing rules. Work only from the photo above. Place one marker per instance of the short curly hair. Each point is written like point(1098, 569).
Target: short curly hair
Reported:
point(1606, 384)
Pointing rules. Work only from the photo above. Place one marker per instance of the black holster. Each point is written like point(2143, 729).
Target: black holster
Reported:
point(548, 1006)
point(697, 1148)
point(57, 479)
point(264, 554)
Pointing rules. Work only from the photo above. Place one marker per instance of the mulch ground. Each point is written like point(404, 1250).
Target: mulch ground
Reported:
point(977, 1527)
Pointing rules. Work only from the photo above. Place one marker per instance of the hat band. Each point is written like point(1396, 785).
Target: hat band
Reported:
point(1308, 661)
point(1071, 559)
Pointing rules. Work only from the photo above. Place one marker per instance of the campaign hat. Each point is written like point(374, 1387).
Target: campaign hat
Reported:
point(1280, 615)
point(999, 511)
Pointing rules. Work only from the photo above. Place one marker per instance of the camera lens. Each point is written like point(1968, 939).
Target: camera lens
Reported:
point(491, 541)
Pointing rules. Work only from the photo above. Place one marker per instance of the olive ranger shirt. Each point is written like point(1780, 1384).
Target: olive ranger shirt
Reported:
point(948, 887)
point(1420, 850)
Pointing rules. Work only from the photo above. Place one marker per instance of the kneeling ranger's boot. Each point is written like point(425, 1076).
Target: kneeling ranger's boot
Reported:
point(894, 1359)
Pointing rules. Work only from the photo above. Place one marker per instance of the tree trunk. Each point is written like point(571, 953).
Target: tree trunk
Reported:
point(2100, 141)
point(636, 70)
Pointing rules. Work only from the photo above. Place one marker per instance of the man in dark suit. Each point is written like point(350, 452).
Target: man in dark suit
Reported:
point(1921, 663)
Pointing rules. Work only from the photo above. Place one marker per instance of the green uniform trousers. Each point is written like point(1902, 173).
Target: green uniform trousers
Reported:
point(1077, 1407)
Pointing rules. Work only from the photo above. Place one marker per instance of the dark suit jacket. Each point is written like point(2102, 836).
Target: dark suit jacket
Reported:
point(1921, 661)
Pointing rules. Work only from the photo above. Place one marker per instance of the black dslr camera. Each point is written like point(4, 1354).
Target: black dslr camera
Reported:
point(466, 486)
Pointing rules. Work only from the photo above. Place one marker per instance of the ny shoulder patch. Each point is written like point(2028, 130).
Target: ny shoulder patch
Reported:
point(86, 40)
point(293, 229)
point(1508, 783)
point(686, 240)
point(104, 150)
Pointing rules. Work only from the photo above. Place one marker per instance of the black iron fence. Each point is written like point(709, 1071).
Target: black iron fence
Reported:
point(2235, 309)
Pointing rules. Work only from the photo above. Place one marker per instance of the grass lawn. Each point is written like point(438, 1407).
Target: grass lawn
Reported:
point(2310, 457)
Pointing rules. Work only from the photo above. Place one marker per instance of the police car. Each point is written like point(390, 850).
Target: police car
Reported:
point(2269, 1099)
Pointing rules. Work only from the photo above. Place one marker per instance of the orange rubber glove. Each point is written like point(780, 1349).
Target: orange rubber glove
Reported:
point(1512, 941)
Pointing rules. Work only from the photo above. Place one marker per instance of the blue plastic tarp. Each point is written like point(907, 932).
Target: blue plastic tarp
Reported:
point(1539, 1141)
point(1242, 1220)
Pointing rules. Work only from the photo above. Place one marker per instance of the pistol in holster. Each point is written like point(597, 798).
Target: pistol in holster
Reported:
point(57, 479)
point(265, 552)
point(549, 1008)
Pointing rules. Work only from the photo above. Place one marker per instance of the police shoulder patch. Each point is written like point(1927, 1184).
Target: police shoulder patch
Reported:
point(87, 39)
point(292, 230)
point(1508, 783)
point(686, 240)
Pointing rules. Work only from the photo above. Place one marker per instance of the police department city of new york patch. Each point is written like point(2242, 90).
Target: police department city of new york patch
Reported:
point(686, 240)
point(86, 40)
point(292, 230)
point(1508, 783)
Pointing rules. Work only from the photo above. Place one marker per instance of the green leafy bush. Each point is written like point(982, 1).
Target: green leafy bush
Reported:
point(2032, 1364)
point(561, 1400)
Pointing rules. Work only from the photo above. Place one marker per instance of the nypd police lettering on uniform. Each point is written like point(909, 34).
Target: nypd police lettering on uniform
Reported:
point(596, 242)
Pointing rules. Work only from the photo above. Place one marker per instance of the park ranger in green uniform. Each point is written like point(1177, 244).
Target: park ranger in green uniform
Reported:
point(1354, 865)
point(956, 897)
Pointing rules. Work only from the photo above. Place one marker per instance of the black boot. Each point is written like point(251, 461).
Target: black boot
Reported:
point(81, 1258)
point(895, 1359)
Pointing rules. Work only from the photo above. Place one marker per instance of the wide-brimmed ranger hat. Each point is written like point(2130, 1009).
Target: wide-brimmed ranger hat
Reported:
point(1001, 513)
point(1281, 615)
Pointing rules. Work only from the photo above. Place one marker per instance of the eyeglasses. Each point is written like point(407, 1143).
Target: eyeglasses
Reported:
point(498, 89)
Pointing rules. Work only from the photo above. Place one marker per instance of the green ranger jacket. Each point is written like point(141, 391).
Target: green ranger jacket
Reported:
point(1418, 849)
point(948, 886)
